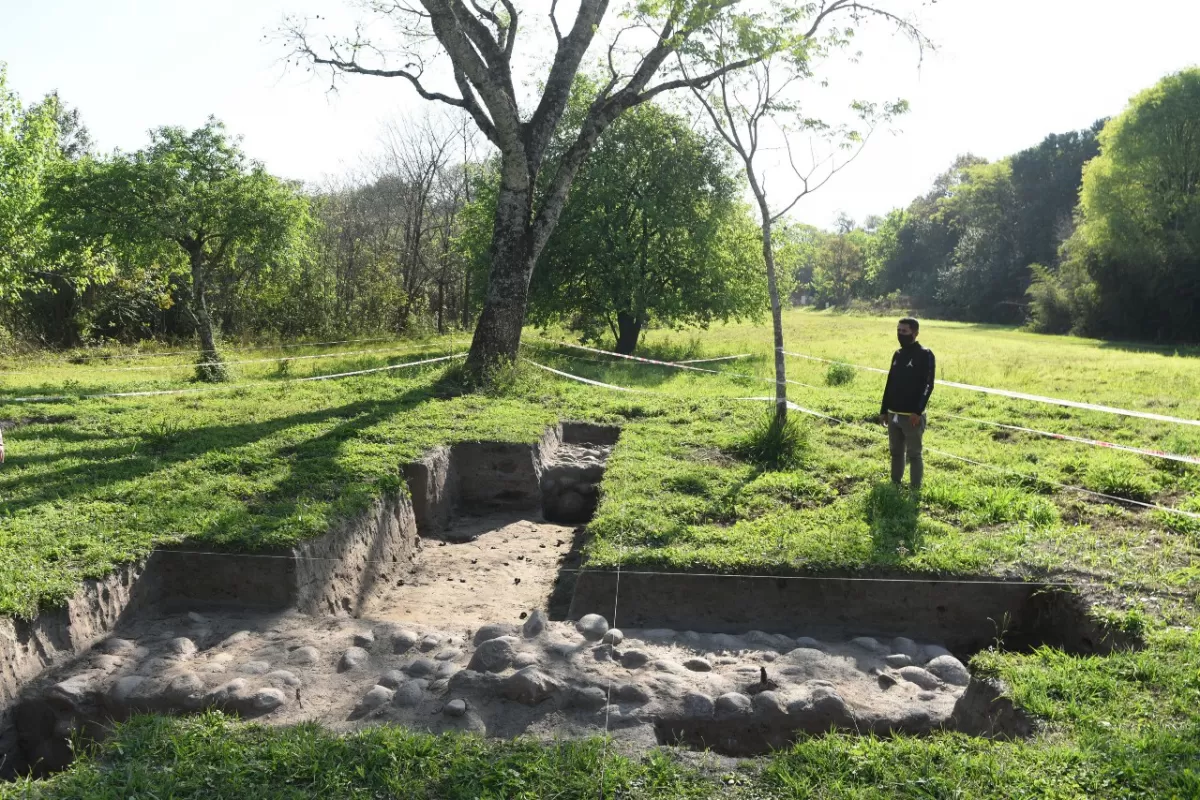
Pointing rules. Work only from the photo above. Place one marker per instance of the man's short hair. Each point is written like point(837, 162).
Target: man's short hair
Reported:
point(912, 323)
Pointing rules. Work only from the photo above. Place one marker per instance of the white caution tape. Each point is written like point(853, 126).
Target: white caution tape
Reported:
point(226, 387)
point(1036, 398)
point(709, 360)
point(675, 364)
point(1081, 440)
point(586, 380)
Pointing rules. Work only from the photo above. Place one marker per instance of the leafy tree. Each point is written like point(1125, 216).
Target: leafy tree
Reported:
point(28, 150)
point(652, 231)
point(190, 204)
point(841, 268)
point(1139, 230)
point(477, 42)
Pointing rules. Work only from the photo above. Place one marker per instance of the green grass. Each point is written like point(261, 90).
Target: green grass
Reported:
point(94, 483)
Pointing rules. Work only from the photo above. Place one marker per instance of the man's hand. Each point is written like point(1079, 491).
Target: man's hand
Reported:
point(883, 420)
point(914, 420)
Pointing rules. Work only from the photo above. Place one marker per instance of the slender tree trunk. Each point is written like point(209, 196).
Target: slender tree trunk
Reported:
point(466, 303)
point(776, 315)
point(498, 332)
point(629, 330)
point(210, 368)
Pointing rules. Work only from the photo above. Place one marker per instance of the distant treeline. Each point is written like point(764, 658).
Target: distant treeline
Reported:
point(1094, 232)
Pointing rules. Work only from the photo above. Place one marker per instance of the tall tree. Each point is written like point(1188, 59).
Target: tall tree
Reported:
point(1139, 230)
point(478, 41)
point(190, 203)
point(28, 151)
point(743, 106)
point(653, 231)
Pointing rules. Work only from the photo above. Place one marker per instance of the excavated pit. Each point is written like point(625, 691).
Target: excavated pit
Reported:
point(458, 607)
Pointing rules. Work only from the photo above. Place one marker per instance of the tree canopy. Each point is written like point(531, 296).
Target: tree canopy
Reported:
point(190, 204)
point(1139, 211)
point(653, 232)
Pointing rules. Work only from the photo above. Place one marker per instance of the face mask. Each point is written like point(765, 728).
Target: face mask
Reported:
point(905, 339)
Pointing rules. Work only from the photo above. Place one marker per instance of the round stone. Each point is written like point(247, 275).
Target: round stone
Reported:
point(364, 638)
point(529, 686)
point(536, 623)
point(377, 696)
point(613, 636)
point(430, 642)
point(906, 646)
point(696, 704)
point(949, 669)
point(448, 655)
point(391, 679)
point(898, 660)
point(921, 677)
point(808, 642)
point(733, 703)
point(592, 626)
point(769, 704)
point(633, 659)
point(589, 697)
point(488, 632)
point(403, 641)
point(456, 708)
point(409, 695)
point(421, 667)
point(266, 700)
point(494, 655)
point(353, 658)
point(182, 647)
point(304, 656)
point(632, 693)
point(868, 643)
point(698, 664)
point(931, 651)
point(446, 670)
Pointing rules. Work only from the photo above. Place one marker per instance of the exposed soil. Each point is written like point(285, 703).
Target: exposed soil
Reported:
point(489, 569)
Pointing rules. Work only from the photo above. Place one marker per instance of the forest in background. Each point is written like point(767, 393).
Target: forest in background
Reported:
point(1095, 231)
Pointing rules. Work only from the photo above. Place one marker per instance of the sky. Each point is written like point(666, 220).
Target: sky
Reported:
point(1005, 74)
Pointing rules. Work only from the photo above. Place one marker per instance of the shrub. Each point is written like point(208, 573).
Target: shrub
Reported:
point(776, 446)
point(839, 374)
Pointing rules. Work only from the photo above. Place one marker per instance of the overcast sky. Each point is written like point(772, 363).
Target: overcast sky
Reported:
point(1007, 72)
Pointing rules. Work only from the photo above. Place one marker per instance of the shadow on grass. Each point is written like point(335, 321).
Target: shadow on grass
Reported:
point(893, 513)
point(313, 469)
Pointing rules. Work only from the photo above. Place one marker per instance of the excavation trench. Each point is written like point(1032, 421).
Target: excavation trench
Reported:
point(459, 606)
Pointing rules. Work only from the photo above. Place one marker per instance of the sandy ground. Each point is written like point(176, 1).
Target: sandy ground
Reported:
point(508, 567)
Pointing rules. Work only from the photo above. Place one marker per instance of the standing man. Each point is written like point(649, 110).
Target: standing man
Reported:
point(909, 384)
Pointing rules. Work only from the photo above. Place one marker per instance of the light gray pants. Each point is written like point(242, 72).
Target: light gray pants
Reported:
point(905, 443)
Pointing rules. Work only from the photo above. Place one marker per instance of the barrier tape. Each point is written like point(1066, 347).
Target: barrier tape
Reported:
point(1036, 398)
point(249, 349)
point(1082, 440)
point(188, 365)
point(719, 358)
point(676, 364)
point(802, 409)
point(586, 380)
point(160, 392)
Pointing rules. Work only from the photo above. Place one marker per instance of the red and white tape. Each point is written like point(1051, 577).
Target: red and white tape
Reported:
point(1094, 442)
point(1036, 398)
point(225, 387)
point(964, 459)
point(674, 364)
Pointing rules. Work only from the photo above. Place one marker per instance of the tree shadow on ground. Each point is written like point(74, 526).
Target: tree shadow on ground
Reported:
point(312, 464)
point(893, 514)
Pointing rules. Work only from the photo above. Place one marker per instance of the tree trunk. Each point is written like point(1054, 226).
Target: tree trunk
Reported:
point(776, 317)
point(498, 332)
point(629, 330)
point(210, 367)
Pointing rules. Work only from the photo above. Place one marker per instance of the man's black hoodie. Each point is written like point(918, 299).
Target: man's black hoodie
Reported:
point(910, 380)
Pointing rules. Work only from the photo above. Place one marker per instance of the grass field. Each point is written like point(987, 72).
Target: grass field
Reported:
point(93, 483)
